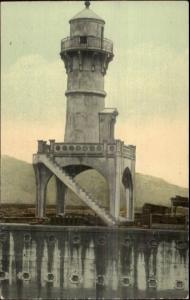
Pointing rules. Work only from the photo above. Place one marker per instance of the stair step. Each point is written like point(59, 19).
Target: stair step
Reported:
point(86, 197)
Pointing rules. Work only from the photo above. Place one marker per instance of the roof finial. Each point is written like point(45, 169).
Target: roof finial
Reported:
point(87, 4)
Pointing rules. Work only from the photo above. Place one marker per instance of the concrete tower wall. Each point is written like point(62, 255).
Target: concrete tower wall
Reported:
point(85, 98)
point(86, 74)
point(82, 124)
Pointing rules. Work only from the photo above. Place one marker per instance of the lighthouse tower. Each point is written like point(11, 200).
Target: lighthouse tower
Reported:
point(89, 141)
point(86, 54)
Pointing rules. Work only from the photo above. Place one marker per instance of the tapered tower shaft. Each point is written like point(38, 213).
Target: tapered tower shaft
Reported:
point(86, 54)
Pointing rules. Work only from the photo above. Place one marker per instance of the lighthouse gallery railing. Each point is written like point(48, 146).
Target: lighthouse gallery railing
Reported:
point(91, 42)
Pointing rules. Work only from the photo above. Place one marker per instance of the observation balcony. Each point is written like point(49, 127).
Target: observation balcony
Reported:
point(86, 149)
point(88, 43)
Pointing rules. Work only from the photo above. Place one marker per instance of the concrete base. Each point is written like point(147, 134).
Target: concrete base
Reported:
point(48, 262)
point(115, 162)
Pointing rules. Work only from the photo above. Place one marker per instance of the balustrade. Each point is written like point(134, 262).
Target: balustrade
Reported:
point(94, 149)
point(129, 151)
point(91, 43)
point(69, 149)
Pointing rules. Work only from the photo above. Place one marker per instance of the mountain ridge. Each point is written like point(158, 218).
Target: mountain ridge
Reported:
point(18, 186)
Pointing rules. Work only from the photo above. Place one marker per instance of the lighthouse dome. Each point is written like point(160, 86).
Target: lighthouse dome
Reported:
point(87, 13)
point(86, 23)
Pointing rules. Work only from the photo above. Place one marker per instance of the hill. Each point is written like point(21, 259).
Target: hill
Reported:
point(18, 186)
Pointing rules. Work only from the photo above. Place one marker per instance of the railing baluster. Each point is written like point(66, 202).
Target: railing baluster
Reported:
point(92, 42)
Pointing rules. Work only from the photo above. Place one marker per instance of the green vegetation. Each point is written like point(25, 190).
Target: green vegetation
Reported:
point(18, 186)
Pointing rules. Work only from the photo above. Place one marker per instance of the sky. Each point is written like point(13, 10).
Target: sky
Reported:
point(147, 80)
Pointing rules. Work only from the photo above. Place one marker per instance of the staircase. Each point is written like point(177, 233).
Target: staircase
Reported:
point(77, 189)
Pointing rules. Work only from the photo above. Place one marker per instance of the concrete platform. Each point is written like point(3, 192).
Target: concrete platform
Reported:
point(56, 262)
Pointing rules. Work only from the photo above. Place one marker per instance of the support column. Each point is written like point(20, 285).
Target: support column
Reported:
point(133, 196)
point(112, 193)
point(42, 175)
point(127, 191)
point(60, 196)
point(129, 203)
point(119, 145)
point(114, 179)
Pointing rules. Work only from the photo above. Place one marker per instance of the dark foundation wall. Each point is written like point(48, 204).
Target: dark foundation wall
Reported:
point(49, 262)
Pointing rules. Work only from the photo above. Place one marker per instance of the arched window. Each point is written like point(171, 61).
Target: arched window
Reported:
point(128, 184)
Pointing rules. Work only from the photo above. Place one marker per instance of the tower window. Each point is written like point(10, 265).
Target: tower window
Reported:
point(83, 39)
